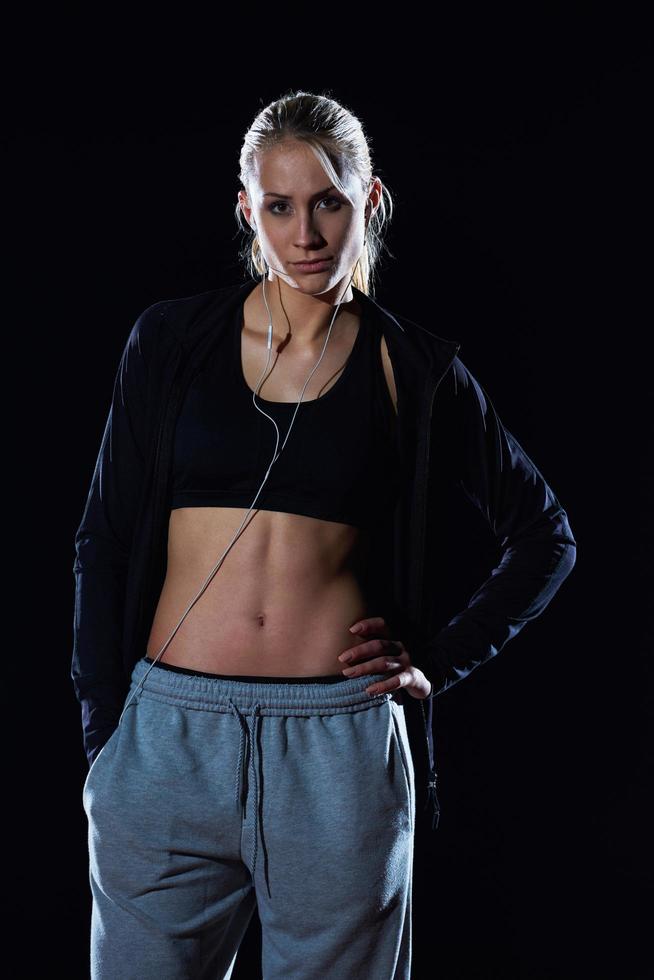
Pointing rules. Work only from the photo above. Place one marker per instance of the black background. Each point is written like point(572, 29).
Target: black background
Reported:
point(516, 146)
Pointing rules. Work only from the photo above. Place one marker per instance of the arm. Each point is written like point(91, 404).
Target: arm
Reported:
point(539, 551)
point(103, 541)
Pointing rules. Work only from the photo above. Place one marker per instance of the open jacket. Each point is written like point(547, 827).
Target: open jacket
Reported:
point(448, 430)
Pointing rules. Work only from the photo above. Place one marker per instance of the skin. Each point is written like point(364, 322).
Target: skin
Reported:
point(286, 568)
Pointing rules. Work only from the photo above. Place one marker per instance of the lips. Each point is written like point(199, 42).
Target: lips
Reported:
point(317, 266)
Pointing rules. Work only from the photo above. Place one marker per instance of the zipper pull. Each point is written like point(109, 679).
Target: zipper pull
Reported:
point(432, 798)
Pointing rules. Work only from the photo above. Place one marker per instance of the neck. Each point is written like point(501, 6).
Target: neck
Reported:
point(306, 316)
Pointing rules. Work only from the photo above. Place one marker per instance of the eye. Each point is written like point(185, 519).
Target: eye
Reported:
point(336, 199)
point(277, 204)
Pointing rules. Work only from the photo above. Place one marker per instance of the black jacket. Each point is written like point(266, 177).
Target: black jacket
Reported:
point(448, 430)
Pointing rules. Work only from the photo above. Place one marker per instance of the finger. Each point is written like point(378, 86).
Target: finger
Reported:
point(376, 624)
point(369, 648)
point(380, 665)
point(401, 679)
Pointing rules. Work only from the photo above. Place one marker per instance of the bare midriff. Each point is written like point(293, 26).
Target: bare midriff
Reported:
point(281, 603)
point(289, 588)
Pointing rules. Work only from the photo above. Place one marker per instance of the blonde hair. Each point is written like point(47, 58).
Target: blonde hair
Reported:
point(336, 137)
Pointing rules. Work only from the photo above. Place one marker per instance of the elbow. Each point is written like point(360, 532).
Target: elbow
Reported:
point(564, 545)
point(565, 536)
point(550, 528)
point(568, 558)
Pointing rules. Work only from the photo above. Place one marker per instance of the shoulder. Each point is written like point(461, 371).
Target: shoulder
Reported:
point(426, 333)
point(172, 322)
point(148, 323)
point(422, 347)
point(187, 318)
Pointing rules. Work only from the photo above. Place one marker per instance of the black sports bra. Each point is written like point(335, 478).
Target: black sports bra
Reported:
point(341, 460)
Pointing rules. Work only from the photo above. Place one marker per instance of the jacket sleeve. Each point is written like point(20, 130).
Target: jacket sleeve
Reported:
point(103, 541)
point(484, 460)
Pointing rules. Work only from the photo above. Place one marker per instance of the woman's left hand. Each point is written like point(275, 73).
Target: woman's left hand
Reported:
point(380, 655)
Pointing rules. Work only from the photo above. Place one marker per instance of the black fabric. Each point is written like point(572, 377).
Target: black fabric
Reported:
point(340, 462)
point(258, 679)
point(448, 432)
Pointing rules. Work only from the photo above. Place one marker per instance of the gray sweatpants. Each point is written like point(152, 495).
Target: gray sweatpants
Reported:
point(218, 794)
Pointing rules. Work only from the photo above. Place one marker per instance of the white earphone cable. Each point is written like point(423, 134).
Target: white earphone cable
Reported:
point(274, 460)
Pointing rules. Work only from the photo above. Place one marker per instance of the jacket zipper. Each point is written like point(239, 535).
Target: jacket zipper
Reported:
point(177, 391)
point(157, 493)
point(423, 486)
point(432, 796)
point(422, 509)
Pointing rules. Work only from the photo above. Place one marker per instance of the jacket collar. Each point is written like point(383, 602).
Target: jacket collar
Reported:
point(417, 354)
point(420, 352)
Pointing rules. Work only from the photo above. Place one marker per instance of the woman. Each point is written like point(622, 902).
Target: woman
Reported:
point(261, 755)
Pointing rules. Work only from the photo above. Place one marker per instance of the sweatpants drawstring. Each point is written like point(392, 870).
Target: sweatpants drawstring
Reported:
point(241, 791)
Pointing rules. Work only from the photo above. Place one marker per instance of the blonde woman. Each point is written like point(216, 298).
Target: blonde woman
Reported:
point(252, 630)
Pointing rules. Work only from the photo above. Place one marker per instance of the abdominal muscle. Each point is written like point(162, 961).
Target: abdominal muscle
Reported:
point(280, 604)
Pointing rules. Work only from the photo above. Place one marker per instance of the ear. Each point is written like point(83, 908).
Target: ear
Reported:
point(246, 209)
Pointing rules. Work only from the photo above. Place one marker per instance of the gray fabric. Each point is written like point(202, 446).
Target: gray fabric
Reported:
point(213, 797)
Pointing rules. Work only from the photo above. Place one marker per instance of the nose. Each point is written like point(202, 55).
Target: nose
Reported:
point(308, 235)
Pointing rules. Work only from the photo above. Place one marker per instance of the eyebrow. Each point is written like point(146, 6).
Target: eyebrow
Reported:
point(289, 197)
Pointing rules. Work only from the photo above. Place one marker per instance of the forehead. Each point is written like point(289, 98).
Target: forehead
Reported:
point(292, 169)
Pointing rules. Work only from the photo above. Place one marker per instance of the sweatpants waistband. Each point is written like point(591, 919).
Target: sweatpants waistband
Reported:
point(273, 696)
point(265, 679)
